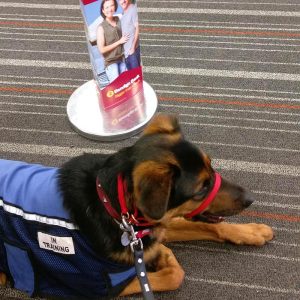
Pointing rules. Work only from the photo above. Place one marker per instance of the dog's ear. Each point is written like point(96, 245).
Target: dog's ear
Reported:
point(163, 123)
point(152, 187)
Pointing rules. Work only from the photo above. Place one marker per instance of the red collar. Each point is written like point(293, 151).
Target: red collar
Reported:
point(209, 198)
point(140, 221)
point(131, 218)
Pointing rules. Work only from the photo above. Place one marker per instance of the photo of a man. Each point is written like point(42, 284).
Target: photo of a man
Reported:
point(130, 28)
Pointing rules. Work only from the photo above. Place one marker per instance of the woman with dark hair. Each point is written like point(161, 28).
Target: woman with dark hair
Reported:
point(110, 40)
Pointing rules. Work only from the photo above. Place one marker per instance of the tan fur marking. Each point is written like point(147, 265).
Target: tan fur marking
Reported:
point(148, 169)
point(152, 185)
point(163, 124)
point(180, 229)
point(181, 210)
point(3, 279)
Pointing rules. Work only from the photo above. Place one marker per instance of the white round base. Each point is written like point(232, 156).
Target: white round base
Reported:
point(87, 119)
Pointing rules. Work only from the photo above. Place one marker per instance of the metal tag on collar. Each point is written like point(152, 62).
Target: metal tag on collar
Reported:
point(125, 239)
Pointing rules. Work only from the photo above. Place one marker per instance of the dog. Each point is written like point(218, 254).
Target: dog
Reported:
point(62, 229)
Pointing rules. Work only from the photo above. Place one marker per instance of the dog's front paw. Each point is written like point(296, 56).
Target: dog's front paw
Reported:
point(246, 234)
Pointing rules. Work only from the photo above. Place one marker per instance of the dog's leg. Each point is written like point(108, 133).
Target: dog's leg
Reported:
point(168, 277)
point(180, 229)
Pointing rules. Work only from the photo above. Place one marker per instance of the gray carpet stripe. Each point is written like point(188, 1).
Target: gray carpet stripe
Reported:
point(40, 84)
point(38, 35)
point(259, 148)
point(223, 73)
point(48, 150)
point(243, 285)
point(170, 46)
point(223, 2)
point(277, 194)
point(166, 10)
point(273, 38)
point(247, 111)
point(278, 26)
point(186, 123)
point(41, 131)
point(233, 165)
point(283, 229)
point(284, 244)
point(241, 127)
point(223, 48)
point(32, 113)
point(45, 64)
point(160, 70)
point(39, 6)
point(241, 119)
point(243, 253)
point(278, 205)
point(264, 168)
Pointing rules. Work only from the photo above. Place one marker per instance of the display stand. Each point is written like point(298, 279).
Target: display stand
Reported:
point(87, 119)
point(111, 108)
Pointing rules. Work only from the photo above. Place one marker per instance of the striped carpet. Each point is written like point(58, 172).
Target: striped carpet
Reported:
point(229, 69)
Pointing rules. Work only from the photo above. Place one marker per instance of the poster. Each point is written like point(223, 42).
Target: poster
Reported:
point(112, 33)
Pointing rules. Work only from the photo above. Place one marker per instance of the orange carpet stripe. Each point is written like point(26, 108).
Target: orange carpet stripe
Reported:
point(279, 217)
point(189, 100)
point(236, 103)
point(51, 25)
point(30, 90)
point(158, 29)
point(223, 32)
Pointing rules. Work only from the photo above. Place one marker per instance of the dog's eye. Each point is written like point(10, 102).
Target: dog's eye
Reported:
point(201, 194)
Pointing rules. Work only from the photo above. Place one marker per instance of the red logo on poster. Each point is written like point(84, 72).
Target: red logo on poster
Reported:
point(122, 89)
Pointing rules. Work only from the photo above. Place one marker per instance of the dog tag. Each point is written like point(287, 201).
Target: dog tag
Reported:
point(125, 241)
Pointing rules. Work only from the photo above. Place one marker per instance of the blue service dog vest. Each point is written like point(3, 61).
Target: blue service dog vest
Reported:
point(40, 248)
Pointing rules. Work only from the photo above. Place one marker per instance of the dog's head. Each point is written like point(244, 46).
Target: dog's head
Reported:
point(172, 177)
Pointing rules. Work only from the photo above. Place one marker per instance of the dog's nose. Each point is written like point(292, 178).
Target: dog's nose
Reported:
point(248, 199)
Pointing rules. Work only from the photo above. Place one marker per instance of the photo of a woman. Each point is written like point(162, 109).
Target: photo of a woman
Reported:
point(110, 40)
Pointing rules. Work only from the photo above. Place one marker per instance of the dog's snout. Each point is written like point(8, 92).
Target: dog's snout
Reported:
point(248, 199)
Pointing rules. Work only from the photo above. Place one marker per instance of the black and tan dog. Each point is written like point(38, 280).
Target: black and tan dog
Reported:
point(165, 178)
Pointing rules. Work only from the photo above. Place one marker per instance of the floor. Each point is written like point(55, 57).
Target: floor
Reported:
point(229, 69)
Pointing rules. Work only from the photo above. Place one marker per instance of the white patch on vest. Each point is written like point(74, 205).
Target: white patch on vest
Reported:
point(58, 244)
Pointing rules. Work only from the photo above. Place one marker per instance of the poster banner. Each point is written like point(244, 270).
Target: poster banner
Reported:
point(112, 33)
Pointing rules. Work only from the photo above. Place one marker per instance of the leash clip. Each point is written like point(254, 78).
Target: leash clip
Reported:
point(127, 228)
point(135, 244)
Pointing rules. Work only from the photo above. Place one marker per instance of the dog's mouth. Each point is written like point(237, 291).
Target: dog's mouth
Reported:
point(208, 218)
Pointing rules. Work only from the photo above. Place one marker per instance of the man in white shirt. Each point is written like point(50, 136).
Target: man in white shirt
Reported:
point(130, 26)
